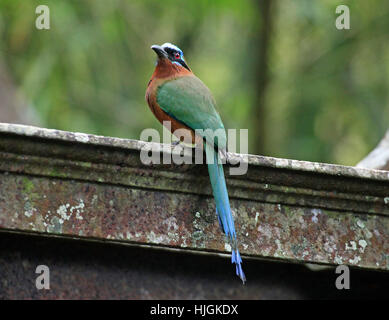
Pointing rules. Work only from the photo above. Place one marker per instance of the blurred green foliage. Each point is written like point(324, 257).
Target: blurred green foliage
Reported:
point(327, 94)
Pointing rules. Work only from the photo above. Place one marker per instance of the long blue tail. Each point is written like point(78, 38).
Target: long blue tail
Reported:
point(223, 210)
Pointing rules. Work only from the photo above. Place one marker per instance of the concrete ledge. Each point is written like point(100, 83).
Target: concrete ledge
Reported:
point(58, 183)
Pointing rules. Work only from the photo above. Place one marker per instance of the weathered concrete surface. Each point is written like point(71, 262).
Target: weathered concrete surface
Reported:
point(95, 188)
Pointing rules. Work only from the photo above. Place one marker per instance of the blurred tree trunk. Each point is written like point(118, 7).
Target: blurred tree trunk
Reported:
point(261, 40)
point(13, 108)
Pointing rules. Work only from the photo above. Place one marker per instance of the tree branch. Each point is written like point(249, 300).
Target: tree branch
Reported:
point(379, 157)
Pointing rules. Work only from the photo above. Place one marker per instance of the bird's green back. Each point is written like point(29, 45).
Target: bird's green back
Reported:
point(188, 100)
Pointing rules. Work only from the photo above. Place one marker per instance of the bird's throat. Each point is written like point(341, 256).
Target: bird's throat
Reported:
point(165, 69)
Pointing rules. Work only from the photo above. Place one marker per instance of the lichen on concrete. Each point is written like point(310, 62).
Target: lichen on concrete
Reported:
point(93, 187)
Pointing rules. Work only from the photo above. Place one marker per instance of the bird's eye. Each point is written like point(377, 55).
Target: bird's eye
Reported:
point(177, 55)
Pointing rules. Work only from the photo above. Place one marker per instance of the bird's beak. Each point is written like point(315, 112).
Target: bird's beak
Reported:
point(159, 51)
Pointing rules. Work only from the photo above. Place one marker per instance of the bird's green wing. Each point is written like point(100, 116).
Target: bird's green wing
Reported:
point(189, 101)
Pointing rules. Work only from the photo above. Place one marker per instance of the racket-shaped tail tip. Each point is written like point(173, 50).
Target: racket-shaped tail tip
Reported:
point(235, 258)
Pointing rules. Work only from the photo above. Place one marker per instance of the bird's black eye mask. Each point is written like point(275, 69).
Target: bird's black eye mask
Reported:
point(176, 57)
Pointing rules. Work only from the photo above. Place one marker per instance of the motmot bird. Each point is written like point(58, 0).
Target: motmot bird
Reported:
point(176, 95)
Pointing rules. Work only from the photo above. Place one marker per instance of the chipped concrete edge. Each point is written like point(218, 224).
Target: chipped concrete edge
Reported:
point(255, 160)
